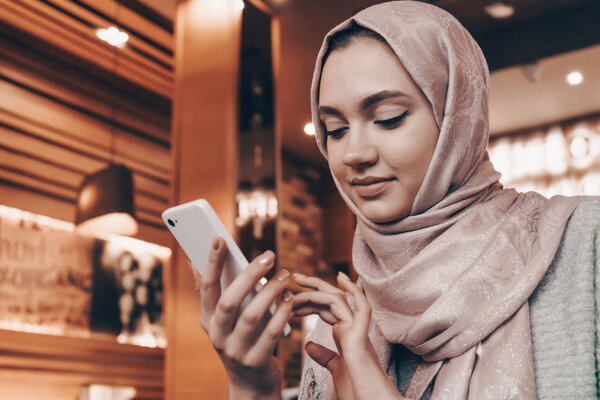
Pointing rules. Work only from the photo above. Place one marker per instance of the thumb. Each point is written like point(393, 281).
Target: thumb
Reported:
point(335, 364)
point(321, 354)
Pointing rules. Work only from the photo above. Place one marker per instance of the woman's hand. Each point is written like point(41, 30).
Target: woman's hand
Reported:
point(248, 358)
point(355, 370)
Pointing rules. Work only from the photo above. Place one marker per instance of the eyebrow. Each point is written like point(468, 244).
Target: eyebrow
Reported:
point(367, 102)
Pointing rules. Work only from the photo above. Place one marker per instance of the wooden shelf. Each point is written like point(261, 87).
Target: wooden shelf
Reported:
point(56, 367)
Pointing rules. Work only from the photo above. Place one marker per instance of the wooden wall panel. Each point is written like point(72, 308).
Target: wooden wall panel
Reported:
point(61, 121)
point(65, 103)
point(54, 367)
point(73, 33)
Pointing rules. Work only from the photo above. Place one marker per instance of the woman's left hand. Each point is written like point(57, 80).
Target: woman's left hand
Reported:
point(355, 370)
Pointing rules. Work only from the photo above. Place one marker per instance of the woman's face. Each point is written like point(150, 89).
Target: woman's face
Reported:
point(381, 131)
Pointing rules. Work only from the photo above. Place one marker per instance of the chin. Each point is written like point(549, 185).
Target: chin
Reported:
point(380, 214)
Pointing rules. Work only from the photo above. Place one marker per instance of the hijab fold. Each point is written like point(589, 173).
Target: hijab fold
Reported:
point(451, 281)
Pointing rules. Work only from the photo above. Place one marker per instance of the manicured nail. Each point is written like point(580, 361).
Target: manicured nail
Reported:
point(298, 275)
point(266, 260)
point(344, 276)
point(283, 275)
point(287, 295)
point(215, 243)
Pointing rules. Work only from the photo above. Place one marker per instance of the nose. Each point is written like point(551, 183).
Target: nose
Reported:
point(359, 152)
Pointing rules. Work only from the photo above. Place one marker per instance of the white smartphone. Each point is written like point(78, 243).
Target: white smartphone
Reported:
point(195, 225)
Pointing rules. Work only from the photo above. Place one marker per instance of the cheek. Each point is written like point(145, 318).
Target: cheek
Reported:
point(410, 155)
point(334, 159)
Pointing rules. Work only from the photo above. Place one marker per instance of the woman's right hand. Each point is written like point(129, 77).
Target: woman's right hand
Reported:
point(248, 358)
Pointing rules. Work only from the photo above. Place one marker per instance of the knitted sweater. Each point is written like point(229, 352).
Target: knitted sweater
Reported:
point(564, 312)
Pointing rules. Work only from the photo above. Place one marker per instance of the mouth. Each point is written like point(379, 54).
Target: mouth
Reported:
point(370, 186)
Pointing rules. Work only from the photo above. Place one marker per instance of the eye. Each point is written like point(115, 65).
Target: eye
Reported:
point(336, 134)
point(392, 122)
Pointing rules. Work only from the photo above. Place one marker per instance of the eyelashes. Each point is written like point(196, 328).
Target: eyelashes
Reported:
point(335, 133)
point(390, 123)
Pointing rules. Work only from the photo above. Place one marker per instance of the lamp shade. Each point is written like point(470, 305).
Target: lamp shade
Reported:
point(105, 202)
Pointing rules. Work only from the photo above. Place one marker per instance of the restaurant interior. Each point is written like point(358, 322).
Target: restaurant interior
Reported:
point(112, 111)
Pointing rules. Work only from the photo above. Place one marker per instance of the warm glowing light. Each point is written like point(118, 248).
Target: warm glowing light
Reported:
point(579, 147)
point(33, 328)
point(40, 220)
point(500, 157)
point(556, 151)
point(257, 204)
point(113, 36)
point(101, 392)
point(519, 168)
point(591, 184)
point(499, 10)
point(118, 222)
point(136, 246)
point(534, 152)
point(272, 206)
point(574, 78)
point(309, 129)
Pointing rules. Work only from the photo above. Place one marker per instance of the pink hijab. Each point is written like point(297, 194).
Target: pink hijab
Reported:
point(451, 281)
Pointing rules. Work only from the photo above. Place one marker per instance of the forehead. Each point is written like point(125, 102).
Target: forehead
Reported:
point(360, 69)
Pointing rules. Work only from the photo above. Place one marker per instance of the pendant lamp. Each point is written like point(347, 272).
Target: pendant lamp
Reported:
point(105, 202)
point(105, 198)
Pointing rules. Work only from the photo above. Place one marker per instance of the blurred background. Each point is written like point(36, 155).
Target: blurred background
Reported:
point(113, 110)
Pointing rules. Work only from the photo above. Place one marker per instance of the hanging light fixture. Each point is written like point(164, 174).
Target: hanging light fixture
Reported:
point(105, 202)
point(105, 198)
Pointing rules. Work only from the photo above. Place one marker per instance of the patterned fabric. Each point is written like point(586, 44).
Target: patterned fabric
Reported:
point(564, 316)
point(455, 275)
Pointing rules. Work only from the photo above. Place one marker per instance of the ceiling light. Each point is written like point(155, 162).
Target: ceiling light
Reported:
point(499, 10)
point(309, 129)
point(113, 36)
point(574, 78)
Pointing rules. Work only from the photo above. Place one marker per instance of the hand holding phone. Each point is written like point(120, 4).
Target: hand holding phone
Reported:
point(195, 225)
point(235, 315)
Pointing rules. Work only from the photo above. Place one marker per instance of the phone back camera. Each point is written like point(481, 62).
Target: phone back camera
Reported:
point(170, 221)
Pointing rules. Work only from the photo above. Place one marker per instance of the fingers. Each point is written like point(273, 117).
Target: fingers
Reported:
point(264, 346)
point(210, 284)
point(197, 279)
point(315, 283)
point(335, 364)
point(231, 299)
point(336, 301)
point(245, 327)
point(321, 311)
point(362, 315)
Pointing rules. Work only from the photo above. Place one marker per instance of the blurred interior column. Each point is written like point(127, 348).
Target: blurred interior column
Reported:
point(204, 132)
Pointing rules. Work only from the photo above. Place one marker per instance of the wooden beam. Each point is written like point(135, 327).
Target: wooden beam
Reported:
point(207, 37)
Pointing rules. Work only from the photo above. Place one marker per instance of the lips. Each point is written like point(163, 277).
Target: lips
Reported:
point(370, 186)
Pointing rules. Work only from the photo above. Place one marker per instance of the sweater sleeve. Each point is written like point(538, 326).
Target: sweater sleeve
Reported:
point(596, 255)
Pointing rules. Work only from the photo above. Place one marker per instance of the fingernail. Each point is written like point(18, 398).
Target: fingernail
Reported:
point(343, 276)
point(298, 275)
point(266, 259)
point(287, 295)
point(215, 243)
point(283, 275)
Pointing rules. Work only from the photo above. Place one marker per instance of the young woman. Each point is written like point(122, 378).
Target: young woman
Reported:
point(466, 290)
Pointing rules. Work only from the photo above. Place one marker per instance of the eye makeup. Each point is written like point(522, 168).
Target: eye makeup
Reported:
point(391, 123)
